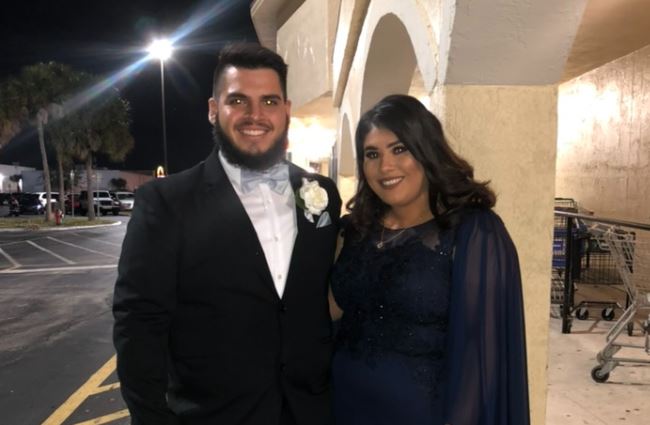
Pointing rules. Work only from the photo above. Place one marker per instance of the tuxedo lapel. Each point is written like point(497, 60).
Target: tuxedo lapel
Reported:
point(295, 176)
point(305, 228)
point(232, 224)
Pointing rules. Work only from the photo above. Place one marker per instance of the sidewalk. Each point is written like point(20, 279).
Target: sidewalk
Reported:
point(574, 398)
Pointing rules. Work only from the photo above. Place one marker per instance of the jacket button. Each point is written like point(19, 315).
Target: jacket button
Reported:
point(283, 308)
point(283, 366)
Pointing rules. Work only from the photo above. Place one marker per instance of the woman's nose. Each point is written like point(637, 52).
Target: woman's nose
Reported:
point(386, 163)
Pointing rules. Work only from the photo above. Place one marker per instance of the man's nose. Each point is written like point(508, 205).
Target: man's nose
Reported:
point(254, 110)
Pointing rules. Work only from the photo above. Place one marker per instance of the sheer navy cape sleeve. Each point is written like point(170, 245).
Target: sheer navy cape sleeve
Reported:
point(487, 372)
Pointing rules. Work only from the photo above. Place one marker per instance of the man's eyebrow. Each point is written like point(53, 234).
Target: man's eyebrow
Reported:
point(236, 94)
point(272, 97)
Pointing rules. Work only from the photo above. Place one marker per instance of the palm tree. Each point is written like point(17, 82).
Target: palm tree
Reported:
point(31, 100)
point(100, 128)
point(61, 134)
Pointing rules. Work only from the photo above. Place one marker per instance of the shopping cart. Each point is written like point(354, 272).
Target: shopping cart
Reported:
point(577, 259)
point(560, 256)
point(631, 253)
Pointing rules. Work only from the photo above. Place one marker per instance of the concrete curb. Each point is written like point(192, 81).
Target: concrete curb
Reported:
point(59, 229)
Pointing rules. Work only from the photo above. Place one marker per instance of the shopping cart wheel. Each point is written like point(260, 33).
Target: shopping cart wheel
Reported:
point(582, 313)
point(608, 314)
point(597, 376)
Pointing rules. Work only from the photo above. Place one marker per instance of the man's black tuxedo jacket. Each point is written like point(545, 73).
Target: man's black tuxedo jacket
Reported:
point(202, 336)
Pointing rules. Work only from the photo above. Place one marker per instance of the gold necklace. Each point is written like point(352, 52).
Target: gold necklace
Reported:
point(383, 242)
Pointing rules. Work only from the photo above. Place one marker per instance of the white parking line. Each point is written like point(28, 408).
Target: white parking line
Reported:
point(20, 241)
point(10, 259)
point(96, 240)
point(82, 247)
point(63, 269)
point(53, 254)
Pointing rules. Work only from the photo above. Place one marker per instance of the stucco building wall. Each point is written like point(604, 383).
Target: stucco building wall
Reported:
point(304, 42)
point(604, 138)
point(508, 134)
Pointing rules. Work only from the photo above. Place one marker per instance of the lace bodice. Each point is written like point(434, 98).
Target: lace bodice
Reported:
point(395, 299)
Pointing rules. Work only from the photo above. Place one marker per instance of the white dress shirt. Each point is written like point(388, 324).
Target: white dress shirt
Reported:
point(274, 218)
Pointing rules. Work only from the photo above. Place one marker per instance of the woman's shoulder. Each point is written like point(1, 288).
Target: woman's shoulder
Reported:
point(484, 220)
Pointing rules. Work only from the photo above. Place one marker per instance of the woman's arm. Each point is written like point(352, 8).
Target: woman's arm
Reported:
point(487, 374)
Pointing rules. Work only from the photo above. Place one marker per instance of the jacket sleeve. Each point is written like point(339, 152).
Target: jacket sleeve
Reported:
point(487, 372)
point(144, 300)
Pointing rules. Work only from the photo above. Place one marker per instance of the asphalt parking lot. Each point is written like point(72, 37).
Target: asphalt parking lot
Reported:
point(57, 364)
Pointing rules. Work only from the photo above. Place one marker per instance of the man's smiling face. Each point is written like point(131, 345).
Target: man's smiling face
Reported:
point(251, 110)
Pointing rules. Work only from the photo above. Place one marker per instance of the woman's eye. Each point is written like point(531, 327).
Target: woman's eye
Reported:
point(399, 149)
point(371, 154)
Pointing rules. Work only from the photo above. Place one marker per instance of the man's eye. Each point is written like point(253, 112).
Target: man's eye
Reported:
point(270, 102)
point(236, 101)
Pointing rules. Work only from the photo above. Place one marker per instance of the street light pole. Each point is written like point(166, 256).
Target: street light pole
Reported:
point(161, 49)
point(164, 120)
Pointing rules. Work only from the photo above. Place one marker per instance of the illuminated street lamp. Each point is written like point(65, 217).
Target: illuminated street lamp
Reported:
point(161, 49)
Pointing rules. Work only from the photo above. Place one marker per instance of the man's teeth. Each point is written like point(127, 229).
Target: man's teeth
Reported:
point(391, 182)
point(249, 132)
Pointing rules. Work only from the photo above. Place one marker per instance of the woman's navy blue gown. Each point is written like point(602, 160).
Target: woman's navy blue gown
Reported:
point(432, 331)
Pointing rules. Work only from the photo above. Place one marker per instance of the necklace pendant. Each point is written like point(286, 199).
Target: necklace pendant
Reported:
point(380, 245)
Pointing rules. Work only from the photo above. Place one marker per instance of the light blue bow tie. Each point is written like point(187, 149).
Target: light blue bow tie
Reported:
point(277, 177)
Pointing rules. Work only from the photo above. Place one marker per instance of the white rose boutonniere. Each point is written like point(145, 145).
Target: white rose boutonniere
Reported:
point(312, 198)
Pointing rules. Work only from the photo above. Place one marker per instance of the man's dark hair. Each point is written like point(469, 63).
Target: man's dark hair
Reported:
point(249, 56)
point(452, 188)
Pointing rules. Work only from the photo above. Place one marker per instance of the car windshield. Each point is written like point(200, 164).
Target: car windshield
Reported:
point(124, 196)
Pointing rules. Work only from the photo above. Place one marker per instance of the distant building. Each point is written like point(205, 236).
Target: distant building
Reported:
point(6, 171)
point(32, 179)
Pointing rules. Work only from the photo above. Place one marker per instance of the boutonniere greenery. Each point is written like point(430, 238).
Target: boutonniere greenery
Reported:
point(312, 198)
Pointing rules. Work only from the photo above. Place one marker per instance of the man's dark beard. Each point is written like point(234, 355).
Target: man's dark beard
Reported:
point(260, 161)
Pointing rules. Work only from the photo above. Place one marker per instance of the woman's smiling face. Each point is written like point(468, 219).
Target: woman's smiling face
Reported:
point(392, 172)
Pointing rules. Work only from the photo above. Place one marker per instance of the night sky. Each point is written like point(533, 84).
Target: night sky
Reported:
point(103, 37)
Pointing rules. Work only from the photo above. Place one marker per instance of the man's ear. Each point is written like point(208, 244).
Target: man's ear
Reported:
point(212, 110)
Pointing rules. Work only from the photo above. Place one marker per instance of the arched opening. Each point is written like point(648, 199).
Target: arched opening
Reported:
point(391, 62)
point(346, 153)
point(347, 161)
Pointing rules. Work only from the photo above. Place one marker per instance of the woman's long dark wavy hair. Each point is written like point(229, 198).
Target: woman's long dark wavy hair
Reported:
point(452, 187)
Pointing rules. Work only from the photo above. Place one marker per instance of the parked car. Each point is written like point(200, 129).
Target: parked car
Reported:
point(102, 201)
point(42, 197)
point(5, 198)
point(126, 199)
point(75, 203)
point(30, 203)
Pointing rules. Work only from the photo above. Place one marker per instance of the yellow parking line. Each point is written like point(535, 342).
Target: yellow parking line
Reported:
point(105, 388)
point(74, 401)
point(106, 419)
